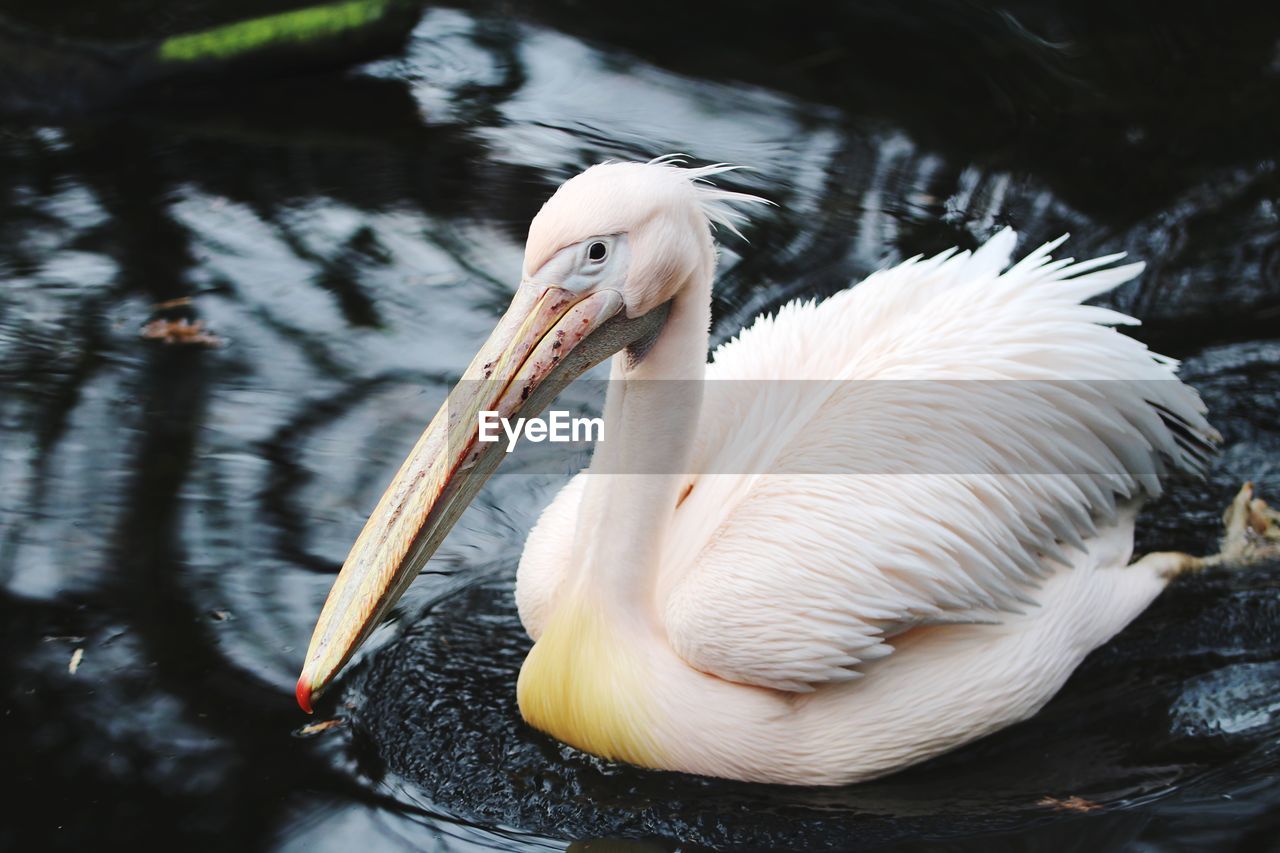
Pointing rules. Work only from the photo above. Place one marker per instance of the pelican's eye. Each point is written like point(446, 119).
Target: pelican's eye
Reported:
point(597, 251)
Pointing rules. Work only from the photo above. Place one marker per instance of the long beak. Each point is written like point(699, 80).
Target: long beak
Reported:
point(547, 338)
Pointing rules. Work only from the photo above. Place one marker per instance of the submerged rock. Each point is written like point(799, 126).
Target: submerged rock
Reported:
point(1241, 700)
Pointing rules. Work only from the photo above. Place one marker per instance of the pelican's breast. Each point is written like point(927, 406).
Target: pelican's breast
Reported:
point(584, 685)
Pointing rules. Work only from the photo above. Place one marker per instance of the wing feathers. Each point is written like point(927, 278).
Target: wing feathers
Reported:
point(970, 428)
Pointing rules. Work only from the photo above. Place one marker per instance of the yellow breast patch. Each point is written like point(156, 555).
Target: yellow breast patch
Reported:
point(582, 685)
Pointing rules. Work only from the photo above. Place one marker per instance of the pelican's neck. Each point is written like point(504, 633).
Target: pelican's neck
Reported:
point(651, 416)
point(586, 680)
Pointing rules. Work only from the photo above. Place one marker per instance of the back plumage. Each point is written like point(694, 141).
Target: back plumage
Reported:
point(1019, 415)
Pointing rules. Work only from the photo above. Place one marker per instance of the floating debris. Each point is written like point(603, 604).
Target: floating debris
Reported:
point(219, 615)
point(311, 729)
point(1070, 804)
point(76, 657)
point(297, 26)
point(180, 332)
point(171, 303)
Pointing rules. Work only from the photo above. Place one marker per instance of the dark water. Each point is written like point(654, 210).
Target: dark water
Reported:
point(171, 516)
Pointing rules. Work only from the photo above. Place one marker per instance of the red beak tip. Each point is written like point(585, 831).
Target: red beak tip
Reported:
point(304, 695)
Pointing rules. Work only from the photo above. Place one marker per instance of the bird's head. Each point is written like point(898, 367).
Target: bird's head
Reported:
point(605, 257)
point(641, 230)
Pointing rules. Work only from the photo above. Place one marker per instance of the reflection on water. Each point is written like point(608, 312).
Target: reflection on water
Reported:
point(172, 515)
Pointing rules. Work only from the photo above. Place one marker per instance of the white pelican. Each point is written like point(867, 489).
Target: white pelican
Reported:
point(791, 593)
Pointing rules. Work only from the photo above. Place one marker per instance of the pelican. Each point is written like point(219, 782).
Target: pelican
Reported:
point(872, 529)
